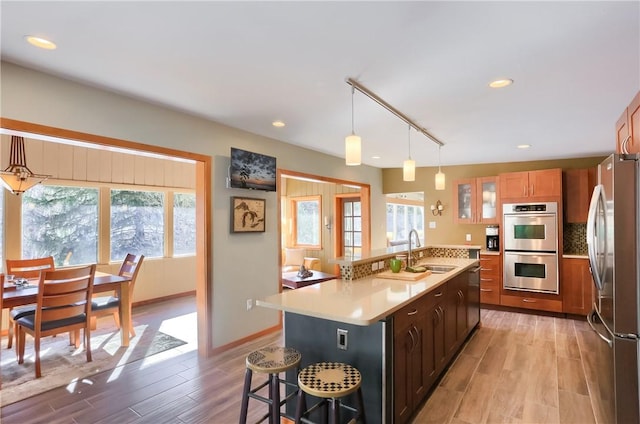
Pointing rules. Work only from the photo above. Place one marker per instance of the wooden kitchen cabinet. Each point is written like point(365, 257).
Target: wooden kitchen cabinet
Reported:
point(456, 313)
point(531, 185)
point(476, 201)
point(490, 278)
point(628, 128)
point(577, 286)
point(531, 301)
point(410, 345)
point(577, 189)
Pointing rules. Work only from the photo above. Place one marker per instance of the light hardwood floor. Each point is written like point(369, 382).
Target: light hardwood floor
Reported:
point(518, 368)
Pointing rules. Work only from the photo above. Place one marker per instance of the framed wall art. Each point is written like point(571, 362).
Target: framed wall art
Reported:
point(247, 215)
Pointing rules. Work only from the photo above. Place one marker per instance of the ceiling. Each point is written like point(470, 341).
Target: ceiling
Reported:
point(575, 66)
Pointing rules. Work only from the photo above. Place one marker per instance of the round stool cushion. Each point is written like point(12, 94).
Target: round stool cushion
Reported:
point(329, 379)
point(273, 359)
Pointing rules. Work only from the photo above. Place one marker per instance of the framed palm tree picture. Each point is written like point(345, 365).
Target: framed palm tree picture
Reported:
point(247, 215)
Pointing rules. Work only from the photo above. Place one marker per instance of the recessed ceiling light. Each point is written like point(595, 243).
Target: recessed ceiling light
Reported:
point(278, 124)
point(375, 157)
point(524, 146)
point(40, 42)
point(499, 83)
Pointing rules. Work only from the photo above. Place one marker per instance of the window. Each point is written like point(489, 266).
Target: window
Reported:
point(306, 212)
point(61, 222)
point(402, 218)
point(137, 223)
point(184, 224)
point(352, 230)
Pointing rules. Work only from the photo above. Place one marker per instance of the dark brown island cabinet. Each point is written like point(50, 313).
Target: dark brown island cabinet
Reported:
point(402, 356)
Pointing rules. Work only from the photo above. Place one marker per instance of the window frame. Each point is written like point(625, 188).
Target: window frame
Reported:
point(294, 219)
point(405, 204)
point(14, 209)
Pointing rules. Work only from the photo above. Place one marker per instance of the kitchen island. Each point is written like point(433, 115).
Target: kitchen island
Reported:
point(400, 334)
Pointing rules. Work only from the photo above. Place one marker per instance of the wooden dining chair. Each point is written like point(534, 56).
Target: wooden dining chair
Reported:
point(25, 268)
point(110, 305)
point(64, 304)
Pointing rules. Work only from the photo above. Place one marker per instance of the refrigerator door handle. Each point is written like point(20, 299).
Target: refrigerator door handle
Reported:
point(602, 336)
point(597, 202)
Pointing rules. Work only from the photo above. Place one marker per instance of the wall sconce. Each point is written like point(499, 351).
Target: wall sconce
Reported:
point(327, 223)
point(437, 209)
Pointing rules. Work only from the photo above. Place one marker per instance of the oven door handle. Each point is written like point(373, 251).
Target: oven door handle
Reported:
point(521, 253)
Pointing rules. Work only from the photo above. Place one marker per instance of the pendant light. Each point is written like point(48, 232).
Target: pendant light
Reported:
point(440, 175)
point(17, 177)
point(352, 143)
point(409, 165)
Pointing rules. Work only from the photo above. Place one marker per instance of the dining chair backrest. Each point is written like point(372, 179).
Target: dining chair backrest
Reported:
point(130, 268)
point(29, 268)
point(64, 294)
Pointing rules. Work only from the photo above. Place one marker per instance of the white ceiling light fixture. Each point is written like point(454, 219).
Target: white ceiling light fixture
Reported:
point(523, 146)
point(501, 83)
point(278, 124)
point(352, 143)
point(373, 96)
point(40, 42)
point(17, 177)
point(409, 165)
point(440, 178)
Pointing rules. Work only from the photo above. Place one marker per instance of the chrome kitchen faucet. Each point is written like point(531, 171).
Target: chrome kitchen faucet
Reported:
point(409, 254)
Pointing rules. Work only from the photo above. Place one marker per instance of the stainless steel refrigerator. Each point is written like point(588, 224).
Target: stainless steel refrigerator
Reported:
point(613, 237)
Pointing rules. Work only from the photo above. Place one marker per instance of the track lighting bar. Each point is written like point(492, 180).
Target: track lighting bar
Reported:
point(373, 96)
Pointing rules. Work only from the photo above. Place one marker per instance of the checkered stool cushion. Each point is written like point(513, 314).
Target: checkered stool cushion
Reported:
point(273, 359)
point(329, 379)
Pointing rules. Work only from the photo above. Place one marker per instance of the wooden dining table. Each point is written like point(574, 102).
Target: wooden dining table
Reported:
point(14, 296)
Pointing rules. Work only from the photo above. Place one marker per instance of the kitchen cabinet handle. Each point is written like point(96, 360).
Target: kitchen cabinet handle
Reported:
point(486, 269)
point(524, 191)
point(623, 145)
point(533, 189)
point(413, 340)
point(486, 290)
point(486, 279)
point(529, 300)
point(415, 311)
point(438, 294)
point(485, 259)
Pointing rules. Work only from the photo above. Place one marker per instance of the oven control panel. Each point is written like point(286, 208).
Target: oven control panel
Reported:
point(530, 207)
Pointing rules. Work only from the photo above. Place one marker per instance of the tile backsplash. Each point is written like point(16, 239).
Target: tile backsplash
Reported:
point(355, 272)
point(575, 239)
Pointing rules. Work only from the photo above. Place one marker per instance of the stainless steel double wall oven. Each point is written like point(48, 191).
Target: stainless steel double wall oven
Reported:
point(531, 247)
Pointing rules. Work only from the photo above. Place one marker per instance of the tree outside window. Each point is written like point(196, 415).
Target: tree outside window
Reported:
point(61, 222)
point(184, 224)
point(137, 223)
point(307, 213)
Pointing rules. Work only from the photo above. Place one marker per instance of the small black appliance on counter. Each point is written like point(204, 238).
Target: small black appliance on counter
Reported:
point(493, 239)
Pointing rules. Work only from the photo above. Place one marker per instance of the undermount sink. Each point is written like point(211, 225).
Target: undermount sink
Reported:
point(439, 269)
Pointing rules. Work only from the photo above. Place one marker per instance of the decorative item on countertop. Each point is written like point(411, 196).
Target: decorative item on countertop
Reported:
point(304, 272)
point(395, 265)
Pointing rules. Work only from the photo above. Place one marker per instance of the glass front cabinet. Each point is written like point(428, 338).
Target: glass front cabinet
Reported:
point(476, 201)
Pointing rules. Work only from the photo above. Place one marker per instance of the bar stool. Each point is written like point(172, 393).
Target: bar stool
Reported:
point(330, 381)
point(270, 360)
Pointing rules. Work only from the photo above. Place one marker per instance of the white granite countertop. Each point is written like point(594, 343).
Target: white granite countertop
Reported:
point(364, 301)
